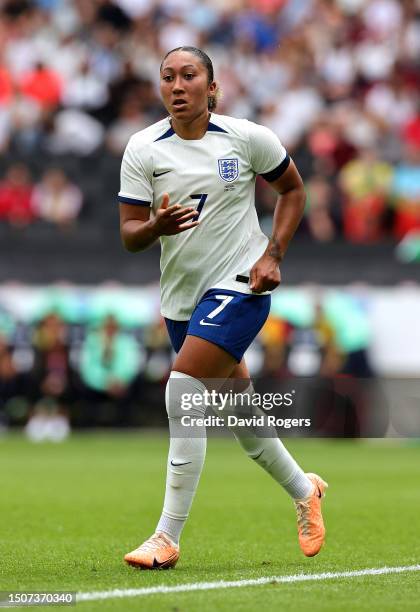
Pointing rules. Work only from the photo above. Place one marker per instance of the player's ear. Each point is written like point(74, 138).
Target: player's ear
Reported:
point(213, 87)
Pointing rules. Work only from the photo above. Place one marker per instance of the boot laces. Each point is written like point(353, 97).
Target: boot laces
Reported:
point(303, 514)
point(157, 540)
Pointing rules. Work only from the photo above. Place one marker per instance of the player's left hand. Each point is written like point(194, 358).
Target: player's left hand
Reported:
point(265, 274)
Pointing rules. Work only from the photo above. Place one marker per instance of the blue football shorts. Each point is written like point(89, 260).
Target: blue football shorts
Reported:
point(227, 318)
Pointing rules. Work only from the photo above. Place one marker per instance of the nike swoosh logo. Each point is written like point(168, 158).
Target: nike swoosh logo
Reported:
point(177, 464)
point(203, 322)
point(156, 174)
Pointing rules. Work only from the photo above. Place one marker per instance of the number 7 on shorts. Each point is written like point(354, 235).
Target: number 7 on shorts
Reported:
point(226, 299)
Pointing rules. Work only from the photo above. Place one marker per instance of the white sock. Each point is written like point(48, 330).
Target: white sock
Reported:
point(271, 454)
point(186, 454)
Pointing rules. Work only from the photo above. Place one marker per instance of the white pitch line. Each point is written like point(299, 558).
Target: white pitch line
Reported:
point(222, 584)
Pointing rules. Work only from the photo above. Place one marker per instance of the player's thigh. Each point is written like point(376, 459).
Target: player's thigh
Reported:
point(201, 358)
point(240, 370)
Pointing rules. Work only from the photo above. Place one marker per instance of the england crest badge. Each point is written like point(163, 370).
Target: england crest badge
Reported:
point(228, 169)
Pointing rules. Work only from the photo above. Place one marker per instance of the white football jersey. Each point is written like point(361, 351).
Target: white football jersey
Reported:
point(216, 174)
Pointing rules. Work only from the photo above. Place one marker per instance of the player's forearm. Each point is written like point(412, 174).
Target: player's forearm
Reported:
point(138, 235)
point(287, 216)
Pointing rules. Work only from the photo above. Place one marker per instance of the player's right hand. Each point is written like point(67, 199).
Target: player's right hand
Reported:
point(170, 220)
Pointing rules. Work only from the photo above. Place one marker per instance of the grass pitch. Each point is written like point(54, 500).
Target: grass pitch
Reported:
point(70, 512)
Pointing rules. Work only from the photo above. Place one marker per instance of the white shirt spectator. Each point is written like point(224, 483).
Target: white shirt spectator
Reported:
point(68, 57)
point(395, 110)
point(297, 110)
point(85, 90)
point(376, 59)
point(411, 40)
point(176, 34)
point(55, 199)
point(135, 8)
point(21, 55)
point(383, 17)
point(338, 67)
point(75, 132)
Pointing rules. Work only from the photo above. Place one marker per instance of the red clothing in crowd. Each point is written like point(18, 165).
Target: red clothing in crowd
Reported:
point(411, 132)
point(6, 86)
point(43, 85)
point(362, 219)
point(15, 203)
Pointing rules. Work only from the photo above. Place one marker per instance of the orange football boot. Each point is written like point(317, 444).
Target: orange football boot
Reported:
point(309, 518)
point(158, 552)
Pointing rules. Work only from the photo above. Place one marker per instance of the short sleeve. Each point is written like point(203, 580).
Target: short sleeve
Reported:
point(268, 156)
point(136, 187)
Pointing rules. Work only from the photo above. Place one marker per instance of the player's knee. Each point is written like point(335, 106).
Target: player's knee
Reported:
point(185, 395)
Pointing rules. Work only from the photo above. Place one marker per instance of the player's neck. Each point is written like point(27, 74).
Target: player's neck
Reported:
point(191, 130)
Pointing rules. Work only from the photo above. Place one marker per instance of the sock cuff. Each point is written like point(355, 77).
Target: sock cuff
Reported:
point(176, 374)
point(196, 382)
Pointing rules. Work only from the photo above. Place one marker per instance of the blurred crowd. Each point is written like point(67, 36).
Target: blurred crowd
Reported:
point(337, 80)
point(54, 199)
point(54, 373)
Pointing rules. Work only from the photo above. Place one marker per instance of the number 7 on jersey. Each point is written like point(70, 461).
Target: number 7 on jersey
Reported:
point(202, 197)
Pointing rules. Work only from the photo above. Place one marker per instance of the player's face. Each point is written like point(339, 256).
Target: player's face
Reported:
point(184, 86)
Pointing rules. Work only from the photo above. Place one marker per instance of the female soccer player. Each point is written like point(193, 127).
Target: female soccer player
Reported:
point(197, 171)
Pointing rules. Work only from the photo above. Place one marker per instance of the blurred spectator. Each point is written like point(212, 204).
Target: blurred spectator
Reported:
point(406, 193)
point(5, 130)
point(43, 85)
point(299, 107)
point(74, 131)
point(129, 121)
point(177, 32)
point(51, 381)
point(366, 184)
point(332, 359)
point(25, 116)
point(128, 83)
point(329, 144)
point(411, 132)
point(109, 364)
point(56, 199)
point(105, 55)
point(51, 374)
point(313, 350)
point(70, 53)
point(85, 89)
point(393, 102)
point(15, 196)
point(158, 352)
point(319, 218)
point(110, 13)
point(12, 382)
point(273, 338)
point(338, 70)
